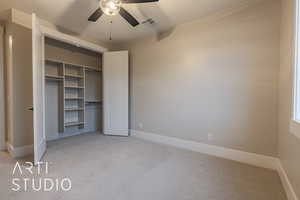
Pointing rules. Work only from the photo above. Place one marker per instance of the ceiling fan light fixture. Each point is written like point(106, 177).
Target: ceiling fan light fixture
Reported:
point(110, 7)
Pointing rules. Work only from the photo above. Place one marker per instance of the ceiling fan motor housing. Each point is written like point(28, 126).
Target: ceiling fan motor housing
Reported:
point(114, 7)
point(110, 7)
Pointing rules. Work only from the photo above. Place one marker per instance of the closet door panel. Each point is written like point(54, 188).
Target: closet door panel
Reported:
point(115, 93)
point(38, 90)
point(2, 117)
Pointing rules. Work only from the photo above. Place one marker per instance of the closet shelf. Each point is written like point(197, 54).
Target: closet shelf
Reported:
point(74, 109)
point(88, 68)
point(55, 77)
point(74, 76)
point(72, 65)
point(93, 101)
point(73, 98)
point(74, 87)
point(74, 124)
point(54, 61)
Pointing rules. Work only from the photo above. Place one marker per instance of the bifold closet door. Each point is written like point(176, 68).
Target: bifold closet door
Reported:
point(115, 93)
point(38, 90)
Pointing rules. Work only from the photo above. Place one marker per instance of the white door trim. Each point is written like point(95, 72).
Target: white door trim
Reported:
point(38, 90)
point(2, 96)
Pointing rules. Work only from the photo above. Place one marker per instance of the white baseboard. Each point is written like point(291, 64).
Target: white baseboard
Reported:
point(227, 153)
point(222, 152)
point(289, 190)
point(17, 152)
point(9, 148)
point(116, 132)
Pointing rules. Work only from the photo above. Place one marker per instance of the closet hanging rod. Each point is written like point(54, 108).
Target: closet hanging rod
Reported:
point(74, 76)
point(73, 123)
point(92, 69)
point(73, 98)
point(54, 77)
point(54, 61)
point(93, 101)
point(74, 109)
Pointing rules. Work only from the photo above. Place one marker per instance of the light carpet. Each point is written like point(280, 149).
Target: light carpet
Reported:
point(120, 168)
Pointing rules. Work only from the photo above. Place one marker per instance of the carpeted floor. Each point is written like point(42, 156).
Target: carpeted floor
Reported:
point(120, 168)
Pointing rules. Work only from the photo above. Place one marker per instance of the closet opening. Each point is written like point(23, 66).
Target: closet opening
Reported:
point(73, 90)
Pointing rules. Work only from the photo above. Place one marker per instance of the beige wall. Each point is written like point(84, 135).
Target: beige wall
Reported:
point(289, 145)
point(214, 77)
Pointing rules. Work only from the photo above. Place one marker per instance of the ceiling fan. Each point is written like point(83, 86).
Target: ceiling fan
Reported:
point(114, 7)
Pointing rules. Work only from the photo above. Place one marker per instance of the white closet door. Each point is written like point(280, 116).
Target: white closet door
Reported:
point(2, 131)
point(38, 90)
point(115, 93)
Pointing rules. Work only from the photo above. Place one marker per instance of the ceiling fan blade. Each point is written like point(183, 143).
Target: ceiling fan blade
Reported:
point(139, 1)
point(128, 17)
point(96, 15)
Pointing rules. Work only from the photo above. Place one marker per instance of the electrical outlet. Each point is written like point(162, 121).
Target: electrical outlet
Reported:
point(141, 126)
point(210, 136)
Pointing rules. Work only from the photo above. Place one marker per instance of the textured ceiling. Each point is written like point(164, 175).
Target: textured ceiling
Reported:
point(72, 15)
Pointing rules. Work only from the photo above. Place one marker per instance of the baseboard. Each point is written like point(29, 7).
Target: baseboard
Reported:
point(222, 152)
point(226, 153)
point(17, 152)
point(9, 148)
point(289, 190)
point(116, 132)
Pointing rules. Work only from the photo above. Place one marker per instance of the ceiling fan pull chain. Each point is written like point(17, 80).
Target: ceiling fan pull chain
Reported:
point(110, 32)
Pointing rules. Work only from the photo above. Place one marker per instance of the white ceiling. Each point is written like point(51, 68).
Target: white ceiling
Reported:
point(72, 15)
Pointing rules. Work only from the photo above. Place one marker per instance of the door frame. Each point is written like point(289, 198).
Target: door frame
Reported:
point(2, 95)
point(38, 91)
point(54, 34)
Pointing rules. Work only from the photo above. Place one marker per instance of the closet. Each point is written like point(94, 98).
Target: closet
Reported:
point(73, 90)
point(59, 85)
point(78, 87)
